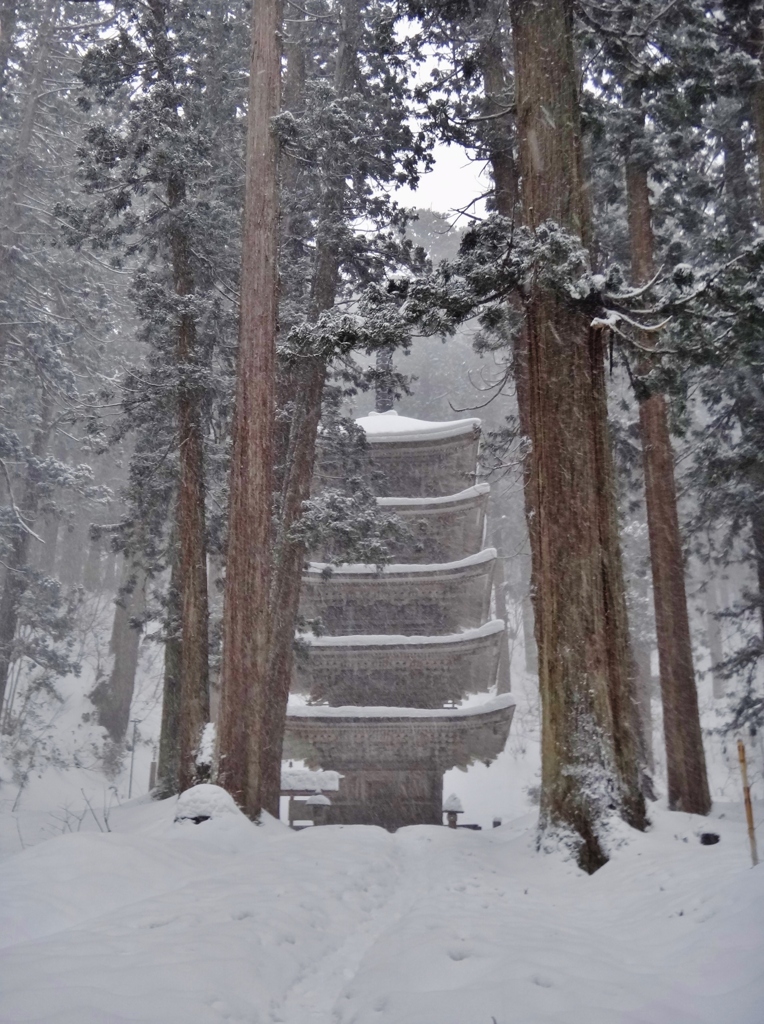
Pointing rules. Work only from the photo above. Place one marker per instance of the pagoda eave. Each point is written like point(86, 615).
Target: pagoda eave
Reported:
point(347, 738)
point(378, 670)
point(423, 599)
point(441, 529)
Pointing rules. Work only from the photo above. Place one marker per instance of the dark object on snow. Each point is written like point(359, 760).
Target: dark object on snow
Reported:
point(197, 818)
point(709, 838)
point(475, 828)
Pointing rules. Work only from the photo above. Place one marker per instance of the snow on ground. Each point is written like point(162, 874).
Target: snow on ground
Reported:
point(169, 922)
point(163, 921)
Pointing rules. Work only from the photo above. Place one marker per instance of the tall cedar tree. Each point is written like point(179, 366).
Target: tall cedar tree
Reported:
point(589, 750)
point(246, 614)
point(685, 759)
point(305, 379)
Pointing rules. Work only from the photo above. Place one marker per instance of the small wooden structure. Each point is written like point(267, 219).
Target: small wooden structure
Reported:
point(300, 784)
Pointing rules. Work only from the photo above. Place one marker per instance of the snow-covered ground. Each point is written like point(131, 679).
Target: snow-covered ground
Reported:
point(166, 922)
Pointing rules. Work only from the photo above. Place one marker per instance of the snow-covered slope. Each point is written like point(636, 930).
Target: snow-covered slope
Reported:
point(177, 923)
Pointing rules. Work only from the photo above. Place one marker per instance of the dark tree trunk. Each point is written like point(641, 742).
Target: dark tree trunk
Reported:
point(736, 186)
point(190, 511)
point(384, 392)
point(499, 134)
point(287, 574)
point(246, 626)
point(644, 691)
point(298, 471)
point(91, 576)
point(74, 548)
point(589, 747)
point(685, 758)
point(16, 567)
point(49, 534)
point(714, 637)
point(113, 697)
point(168, 768)
point(192, 568)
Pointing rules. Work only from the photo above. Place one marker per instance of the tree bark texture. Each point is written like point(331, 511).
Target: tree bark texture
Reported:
point(498, 132)
point(246, 614)
point(190, 509)
point(91, 576)
point(644, 690)
point(168, 767)
point(309, 378)
point(685, 759)
point(384, 398)
point(190, 516)
point(714, 637)
point(589, 746)
point(736, 185)
point(113, 697)
point(50, 529)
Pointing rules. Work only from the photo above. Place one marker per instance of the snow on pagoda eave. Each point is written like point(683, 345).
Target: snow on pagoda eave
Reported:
point(390, 428)
point(461, 497)
point(503, 702)
point(403, 568)
point(396, 640)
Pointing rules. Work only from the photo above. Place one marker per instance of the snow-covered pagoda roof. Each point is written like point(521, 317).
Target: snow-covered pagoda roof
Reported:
point(394, 670)
point(320, 711)
point(382, 427)
point(404, 569)
point(423, 599)
point(395, 640)
point(469, 494)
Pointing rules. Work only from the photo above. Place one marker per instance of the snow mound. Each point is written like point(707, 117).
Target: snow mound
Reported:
point(205, 801)
point(318, 800)
point(354, 925)
point(453, 804)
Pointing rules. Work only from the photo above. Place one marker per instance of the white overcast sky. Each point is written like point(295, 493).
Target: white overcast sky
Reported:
point(451, 185)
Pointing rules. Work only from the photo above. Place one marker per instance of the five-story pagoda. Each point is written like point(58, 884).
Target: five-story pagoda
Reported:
point(404, 645)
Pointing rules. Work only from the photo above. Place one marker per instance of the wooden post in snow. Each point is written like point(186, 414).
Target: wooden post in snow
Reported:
point(747, 799)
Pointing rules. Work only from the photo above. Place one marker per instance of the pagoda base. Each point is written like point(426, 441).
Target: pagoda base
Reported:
point(393, 759)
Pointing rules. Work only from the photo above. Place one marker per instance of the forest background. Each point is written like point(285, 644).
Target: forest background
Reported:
point(623, 145)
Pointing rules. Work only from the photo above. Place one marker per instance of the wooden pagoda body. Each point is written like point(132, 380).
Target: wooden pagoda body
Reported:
point(401, 647)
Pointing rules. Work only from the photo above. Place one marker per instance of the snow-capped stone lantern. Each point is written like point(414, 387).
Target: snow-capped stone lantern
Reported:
point(451, 808)
point(319, 805)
